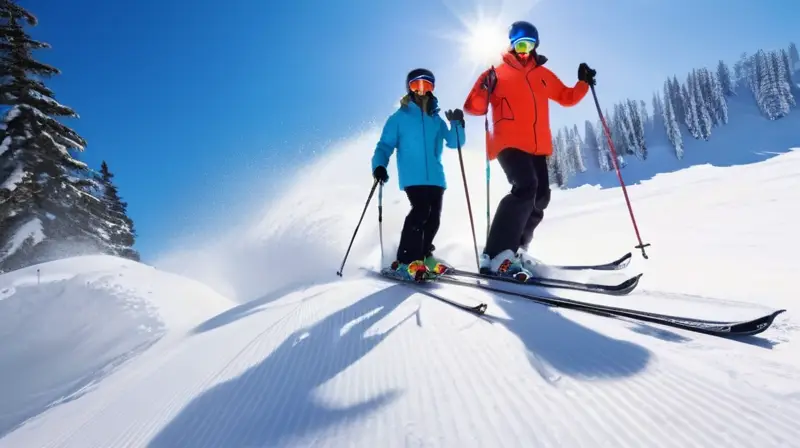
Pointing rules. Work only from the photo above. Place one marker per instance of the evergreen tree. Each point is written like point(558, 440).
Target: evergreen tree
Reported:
point(690, 109)
point(794, 57)
point(565, 160)
point(704, 80)
point(41, 183)
point(637, 130)
point(593, 147)
point(719, 101)
point(671, 125)
point(554, 166)
point(577, 148)
point(772, 94)
point(703, 117)
point(724, 77)
point(678, 101)
point(117, 226)
point(782, 77)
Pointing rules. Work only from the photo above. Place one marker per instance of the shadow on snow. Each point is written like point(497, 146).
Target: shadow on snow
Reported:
point(272, 403)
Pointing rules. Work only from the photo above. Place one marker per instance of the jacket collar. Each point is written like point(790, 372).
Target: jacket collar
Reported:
point(408, 101)
point(510, 58)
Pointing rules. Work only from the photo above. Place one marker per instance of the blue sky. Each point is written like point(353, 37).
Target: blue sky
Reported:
point(194, 104)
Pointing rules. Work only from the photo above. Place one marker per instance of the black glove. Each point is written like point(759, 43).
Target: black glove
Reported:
point(380, 174)
point(489, 81)
point(586, 74)
point(456, 115)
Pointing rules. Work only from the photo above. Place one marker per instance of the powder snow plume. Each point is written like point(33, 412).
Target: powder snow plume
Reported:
point(301, 235)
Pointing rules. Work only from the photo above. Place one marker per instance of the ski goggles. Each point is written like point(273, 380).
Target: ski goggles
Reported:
point(421, 86)
point(524, 45)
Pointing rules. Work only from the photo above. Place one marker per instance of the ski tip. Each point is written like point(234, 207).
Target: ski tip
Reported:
point(776, 313)
point(629, 283)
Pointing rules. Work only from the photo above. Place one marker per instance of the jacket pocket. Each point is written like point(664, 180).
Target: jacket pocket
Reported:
point(503, 112)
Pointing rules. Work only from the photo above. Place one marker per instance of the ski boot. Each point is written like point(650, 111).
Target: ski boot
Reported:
point(505, 264)
point(415, 271)
point(530, 263)
point(435, 267)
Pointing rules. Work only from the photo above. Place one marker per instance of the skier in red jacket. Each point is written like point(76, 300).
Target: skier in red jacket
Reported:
point(519, 90)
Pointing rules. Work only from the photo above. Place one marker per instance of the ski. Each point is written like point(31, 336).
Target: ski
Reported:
point(620, 289)
point(618, 264)
point(711, 327)
point(420, 285)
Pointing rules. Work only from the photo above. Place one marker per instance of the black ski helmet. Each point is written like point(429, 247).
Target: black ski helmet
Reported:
point(418, 73)
point(521, 29)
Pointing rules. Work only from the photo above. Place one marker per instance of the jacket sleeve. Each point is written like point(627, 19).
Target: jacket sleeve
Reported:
point(563, 95)
point(454, 135)
point(476, 103)
point(387, 143)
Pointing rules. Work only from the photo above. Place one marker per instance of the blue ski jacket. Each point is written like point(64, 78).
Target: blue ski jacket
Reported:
point(418, 138)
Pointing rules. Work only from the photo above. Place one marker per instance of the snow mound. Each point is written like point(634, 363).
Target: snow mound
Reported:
point(67, 324)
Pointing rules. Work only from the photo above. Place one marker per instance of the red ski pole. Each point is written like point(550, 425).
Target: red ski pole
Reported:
point(619, 174)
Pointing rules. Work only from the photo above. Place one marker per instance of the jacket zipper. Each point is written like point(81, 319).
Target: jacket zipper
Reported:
point(535, 112)
point(424, 144)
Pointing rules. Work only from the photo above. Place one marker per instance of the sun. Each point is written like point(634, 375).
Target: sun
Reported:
point(480, 40)
point(484, 41)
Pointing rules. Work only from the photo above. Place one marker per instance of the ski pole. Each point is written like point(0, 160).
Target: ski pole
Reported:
point(380, 219)
point(469, 205)
point(488, 164)
point(619, 174)
point(371, 192)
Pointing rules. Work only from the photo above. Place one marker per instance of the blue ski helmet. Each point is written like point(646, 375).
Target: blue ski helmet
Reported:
point(523, 30)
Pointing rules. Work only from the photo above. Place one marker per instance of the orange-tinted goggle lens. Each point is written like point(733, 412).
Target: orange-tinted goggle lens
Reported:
point(421, 86)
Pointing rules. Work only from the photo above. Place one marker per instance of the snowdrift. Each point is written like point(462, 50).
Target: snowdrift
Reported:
point(65, 325)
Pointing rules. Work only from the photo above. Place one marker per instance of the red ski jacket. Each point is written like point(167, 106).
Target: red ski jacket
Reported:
point(520, 109)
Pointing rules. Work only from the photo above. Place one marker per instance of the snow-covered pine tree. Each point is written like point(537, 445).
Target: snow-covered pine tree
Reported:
point(647, 120)
point(719, 100)
point(794, 57)
point(671, 125)
point(678, 104)
point(624, 126)
point(593, 147)
point(117, 225)
point(40, 181)
point(577, 148)
point(707, 91)
point(725, 80)
point(612, 127)
point(554, 166)
point(701, 107)
point(637, 129)
point(774, 103)
point(794, 88)
point(566, 162)
point(755, 73)
point(784, 80)
point(739, 72)
point(690, 108)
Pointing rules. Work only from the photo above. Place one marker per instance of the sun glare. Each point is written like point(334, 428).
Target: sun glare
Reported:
point(484, 42)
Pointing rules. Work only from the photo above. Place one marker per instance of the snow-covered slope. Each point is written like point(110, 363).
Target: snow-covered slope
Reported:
point(314, 360)
point(66, 325)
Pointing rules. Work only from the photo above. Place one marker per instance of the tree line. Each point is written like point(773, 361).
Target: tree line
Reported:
point(680, 110)
point(52, 205)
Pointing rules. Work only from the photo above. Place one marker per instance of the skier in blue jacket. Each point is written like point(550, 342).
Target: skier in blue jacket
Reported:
point(418, 132)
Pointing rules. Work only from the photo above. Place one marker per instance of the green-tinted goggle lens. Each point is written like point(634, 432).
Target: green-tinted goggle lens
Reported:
point(524, 45)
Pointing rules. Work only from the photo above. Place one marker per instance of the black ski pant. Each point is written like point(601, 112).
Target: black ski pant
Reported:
point(520, 211)
point(422, 222)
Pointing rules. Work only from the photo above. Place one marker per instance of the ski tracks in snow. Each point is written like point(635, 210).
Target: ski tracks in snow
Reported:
point(371, 363)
